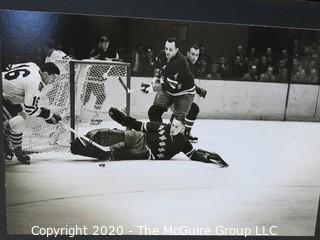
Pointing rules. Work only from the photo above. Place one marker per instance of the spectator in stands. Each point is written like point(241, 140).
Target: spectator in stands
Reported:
point(312, 65)
point(300, 76)
point(202, 68)
point(204, 54)
point(223, 68)
point(314, 76)
point(238, 68)
point(142, 60)
point(104, 50)
point(281, 64)
point(251, 75)
point(263, 65)
point(269, 56)
point(203, 63)
point(213, 73)
point(283, 75)
point(252, 56)
point(285, 56)
point(268, 76)
point(295, 66)
point(240, 52)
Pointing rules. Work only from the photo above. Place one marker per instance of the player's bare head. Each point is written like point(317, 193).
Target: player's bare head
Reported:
point(193, 53)
point(171, 48)
point(177, 126)
point(49, 71)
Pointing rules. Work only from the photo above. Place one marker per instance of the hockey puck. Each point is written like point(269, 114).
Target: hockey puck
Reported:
point(102, 165)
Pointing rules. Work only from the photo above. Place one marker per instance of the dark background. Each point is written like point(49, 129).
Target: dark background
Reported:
point(22, 33)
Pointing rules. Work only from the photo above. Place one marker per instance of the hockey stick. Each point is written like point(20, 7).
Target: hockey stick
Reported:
point(128, 90)
point(143, 88)
point(90, 141)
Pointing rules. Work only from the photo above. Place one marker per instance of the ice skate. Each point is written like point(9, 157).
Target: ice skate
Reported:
point(22, 156)
point(191, 138)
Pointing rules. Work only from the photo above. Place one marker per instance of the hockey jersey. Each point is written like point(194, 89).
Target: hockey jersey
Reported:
point(177, 76)
point(22, 84)
point(162, 144)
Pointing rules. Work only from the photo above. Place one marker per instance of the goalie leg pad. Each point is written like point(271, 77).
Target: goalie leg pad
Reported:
point(134, 147)
point(106, 137)
point(208, 157)
point(89, 150)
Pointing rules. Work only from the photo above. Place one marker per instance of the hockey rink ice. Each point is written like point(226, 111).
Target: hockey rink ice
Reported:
point(273, 181)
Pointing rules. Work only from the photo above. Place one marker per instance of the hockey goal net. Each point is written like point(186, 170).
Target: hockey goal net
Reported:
point(82, 96)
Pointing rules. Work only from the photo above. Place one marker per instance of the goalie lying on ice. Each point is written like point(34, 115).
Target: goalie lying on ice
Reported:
point(151, 140)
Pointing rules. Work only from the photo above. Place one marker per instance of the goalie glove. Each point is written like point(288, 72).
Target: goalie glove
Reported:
point(124, 120)
point(117, 115)
point(201, 92)
point(208, 157)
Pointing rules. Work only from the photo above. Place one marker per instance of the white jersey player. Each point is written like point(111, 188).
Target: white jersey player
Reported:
point(58, 57)
point(22, 85)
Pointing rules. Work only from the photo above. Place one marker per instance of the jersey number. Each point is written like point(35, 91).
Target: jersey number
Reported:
point(15, 72)
point(35, 101)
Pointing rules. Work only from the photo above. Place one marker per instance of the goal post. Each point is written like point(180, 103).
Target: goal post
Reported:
point(82, 96)
point(97, 73)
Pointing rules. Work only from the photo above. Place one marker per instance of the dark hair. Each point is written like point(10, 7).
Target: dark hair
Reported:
point(172, 39)
point(103, 39)
point(178, 118)
point(50, 68)
point(195, 46)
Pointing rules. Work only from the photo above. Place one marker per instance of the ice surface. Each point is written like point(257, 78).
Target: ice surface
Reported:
point(273, 180)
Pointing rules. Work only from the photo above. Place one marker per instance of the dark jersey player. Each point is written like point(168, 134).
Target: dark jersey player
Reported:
point(173, 82)
point(151, 140)
point(192, 57)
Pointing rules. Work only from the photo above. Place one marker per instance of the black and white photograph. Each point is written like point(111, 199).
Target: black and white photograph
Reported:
point(119, 125)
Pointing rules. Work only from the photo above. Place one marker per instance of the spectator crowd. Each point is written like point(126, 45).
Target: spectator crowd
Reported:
point(297, 64)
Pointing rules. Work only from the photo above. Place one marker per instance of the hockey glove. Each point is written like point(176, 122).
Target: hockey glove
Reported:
point(48, 116)
point(201, 92)
point(156, 85)
point(54, 119)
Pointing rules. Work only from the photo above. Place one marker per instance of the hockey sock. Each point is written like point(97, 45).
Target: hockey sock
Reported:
point(191, 117)
point(16, 140)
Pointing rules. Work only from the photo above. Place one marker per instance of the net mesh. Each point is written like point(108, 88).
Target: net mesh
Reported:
point(97, 88)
